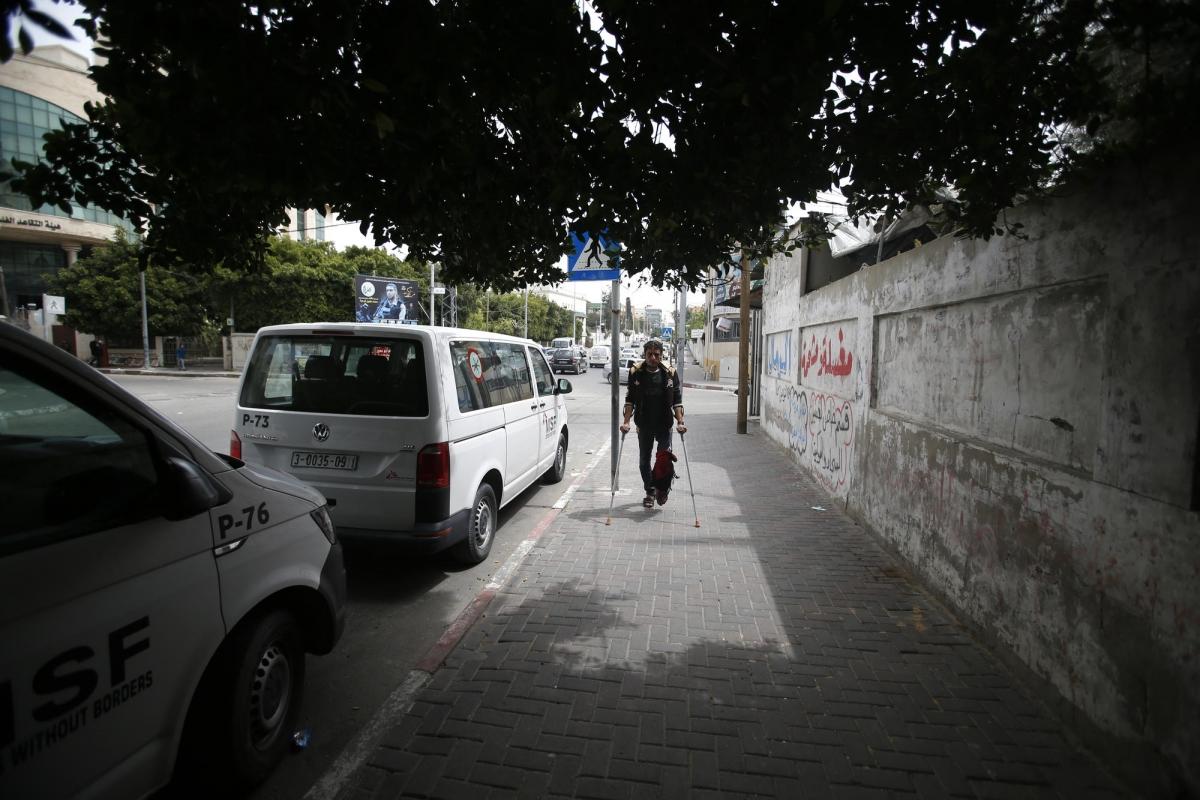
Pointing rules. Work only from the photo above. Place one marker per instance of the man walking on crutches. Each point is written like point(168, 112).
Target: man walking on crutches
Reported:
point(654, 400)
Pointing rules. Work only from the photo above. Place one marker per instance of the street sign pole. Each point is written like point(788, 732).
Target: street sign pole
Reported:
point(614, 327)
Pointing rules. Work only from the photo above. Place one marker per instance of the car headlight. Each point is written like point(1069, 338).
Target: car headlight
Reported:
point(321, 517)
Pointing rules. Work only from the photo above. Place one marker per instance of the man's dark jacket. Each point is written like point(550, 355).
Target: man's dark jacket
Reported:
point(672, 393)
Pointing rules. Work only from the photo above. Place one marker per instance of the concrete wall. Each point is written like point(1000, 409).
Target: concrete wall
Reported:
point(1018, 418)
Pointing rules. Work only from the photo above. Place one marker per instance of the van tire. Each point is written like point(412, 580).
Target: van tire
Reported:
point(266, 685)
point(481, 528)
point(559, 468)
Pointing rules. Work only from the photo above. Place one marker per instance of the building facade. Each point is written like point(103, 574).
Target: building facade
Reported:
point(38, 93)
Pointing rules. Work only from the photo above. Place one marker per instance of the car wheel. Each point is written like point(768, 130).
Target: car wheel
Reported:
point(481, 528)
point(265, 685)
point(559, 468)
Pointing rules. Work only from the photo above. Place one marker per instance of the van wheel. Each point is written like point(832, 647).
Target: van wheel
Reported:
point(481, 528)
point(266, 685)
point(559, 468)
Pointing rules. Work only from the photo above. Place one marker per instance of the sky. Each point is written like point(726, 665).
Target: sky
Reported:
point(569, 293)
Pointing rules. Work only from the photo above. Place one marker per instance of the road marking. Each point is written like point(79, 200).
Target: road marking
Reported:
point(561, 503)
point(355, 754)
point(361, 747)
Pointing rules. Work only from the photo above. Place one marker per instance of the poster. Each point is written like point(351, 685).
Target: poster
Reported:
point(388, 300)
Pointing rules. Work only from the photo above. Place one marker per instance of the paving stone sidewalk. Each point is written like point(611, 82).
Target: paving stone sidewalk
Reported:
point(776, 651)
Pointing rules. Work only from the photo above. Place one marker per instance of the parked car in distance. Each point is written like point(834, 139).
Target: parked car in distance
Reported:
point(599, 355)
point(623, 375)
point(569, 359)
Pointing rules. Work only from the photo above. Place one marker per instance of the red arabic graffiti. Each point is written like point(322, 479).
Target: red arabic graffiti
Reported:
point(821, 355)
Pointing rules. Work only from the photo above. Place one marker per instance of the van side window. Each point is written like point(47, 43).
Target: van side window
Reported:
point(66, 469)
point(542, 374)
point(488, 374)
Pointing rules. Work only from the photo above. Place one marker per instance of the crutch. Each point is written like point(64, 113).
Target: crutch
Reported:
point(616, 475)
point(691, 488)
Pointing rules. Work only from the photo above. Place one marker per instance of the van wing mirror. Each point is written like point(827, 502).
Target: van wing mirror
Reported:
point(564, 386)
point(190, 490)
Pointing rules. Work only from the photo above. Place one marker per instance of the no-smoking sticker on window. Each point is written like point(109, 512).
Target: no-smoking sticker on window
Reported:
point(476, 363)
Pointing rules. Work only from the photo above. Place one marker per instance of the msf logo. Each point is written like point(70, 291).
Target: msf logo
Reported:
point(320, 431)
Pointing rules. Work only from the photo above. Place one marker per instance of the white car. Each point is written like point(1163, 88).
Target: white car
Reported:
point(626, 365)
point(159, 598)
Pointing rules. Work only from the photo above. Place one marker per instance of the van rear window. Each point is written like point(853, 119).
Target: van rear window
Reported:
point(338, 375)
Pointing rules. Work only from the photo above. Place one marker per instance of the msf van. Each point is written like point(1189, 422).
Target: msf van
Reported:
point(157, 599)
point(416, 435)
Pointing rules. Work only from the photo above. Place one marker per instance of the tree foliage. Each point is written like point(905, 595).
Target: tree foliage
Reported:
point(103, 294)
point(298, 282)
point(481, 309)
point(477, 132)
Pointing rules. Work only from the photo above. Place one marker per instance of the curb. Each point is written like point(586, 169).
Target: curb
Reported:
point(176, 373)
point(711, 387)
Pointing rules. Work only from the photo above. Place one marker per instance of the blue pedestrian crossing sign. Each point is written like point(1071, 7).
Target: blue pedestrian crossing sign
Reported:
point(594, 259)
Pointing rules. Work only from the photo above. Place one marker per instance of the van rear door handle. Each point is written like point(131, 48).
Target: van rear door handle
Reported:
point(541, 405)
point(533, 407)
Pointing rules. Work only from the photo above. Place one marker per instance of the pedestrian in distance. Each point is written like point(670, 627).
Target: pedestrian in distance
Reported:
point(654, 400)
point(94, 346)
point(181, 355)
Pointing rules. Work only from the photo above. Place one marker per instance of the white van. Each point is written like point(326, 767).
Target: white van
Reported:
point(158, 599)
point(416, 435)
point(599, 355)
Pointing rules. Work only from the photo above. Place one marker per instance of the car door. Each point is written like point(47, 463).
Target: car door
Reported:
point(521, 420)
point(110, 611)
point(549, 405)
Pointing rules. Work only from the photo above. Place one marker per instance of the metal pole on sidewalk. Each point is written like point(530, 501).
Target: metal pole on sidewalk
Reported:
point(744, 347)
point(144, 258)
point(614, 327)
point(3, 295)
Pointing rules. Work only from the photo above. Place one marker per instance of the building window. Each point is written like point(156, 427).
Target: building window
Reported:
point(731, 334)
point(320, 226)
point(300, 214)
point(24, 120)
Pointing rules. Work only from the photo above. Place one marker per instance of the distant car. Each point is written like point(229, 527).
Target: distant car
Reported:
point(629, 352)
point(599, 356)
point(623, 376)
point(568, 359)
point(549, 352)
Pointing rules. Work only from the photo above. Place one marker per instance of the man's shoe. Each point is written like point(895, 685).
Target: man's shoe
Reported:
point(648, 501)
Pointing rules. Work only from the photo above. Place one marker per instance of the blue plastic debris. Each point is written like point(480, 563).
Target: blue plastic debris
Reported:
point(301, 738)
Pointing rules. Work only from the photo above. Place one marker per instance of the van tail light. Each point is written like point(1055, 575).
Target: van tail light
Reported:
point(433, 466)
point(235, 445)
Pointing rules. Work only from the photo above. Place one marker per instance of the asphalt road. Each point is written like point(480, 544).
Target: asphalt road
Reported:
point(399, 605)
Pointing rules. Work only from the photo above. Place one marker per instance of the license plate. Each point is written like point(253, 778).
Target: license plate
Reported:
point(324, 460)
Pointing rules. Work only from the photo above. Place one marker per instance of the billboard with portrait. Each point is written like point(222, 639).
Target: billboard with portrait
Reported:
point(388, 300)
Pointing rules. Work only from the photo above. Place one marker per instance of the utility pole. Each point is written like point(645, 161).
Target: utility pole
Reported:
point(526, 333)
point(143, 263)
point(432, 297)
point(680, 327)
point(744, 347)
